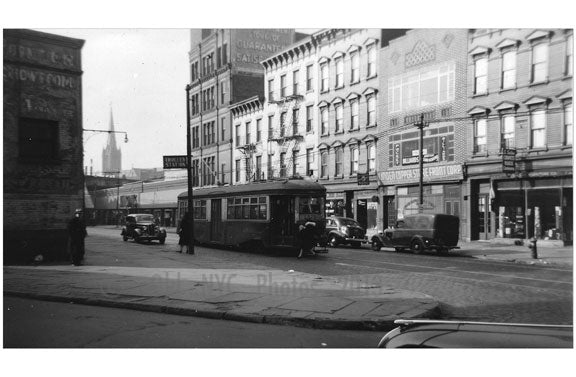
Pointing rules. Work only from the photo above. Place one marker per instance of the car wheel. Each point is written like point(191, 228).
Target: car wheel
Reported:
point(333, 241)
point(376, 245)
point(357, 245)
point(162, 241)
point(416, 246)
point(125, 238)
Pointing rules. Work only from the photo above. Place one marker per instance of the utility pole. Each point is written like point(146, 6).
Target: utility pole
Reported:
point(420, 125)
point(189, 169)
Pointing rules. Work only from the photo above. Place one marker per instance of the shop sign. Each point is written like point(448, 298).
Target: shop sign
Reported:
point(175, 162)
point(509, 160)
point(363, 179)
point(430, 173)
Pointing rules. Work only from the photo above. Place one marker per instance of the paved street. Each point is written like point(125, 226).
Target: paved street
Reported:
point(467, 288)
point(41, 324)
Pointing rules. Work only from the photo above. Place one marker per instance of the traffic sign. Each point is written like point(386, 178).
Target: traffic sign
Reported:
point(175, 162)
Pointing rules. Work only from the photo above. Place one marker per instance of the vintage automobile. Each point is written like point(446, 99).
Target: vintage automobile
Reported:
point(142, 227)
point(421, 232)
point(454, 334)
point(343, 230)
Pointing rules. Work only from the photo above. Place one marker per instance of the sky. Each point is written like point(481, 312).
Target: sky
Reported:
point(139, 75)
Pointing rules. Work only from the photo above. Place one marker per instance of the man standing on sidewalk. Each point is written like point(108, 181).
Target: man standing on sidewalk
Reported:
point(77, 232)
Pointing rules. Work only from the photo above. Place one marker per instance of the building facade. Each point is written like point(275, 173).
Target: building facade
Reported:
point(224, 69)
point(423, 78)
point(43, 175)
point(519, 166)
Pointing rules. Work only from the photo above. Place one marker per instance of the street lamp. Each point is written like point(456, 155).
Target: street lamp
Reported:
point(110, 132)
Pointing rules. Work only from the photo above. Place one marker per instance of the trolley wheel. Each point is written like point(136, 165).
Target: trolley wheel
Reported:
point(376, 246)
point(417, 246)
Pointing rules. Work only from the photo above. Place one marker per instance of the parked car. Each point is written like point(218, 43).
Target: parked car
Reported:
point(343, 230)
point(452, 334)
point(142, 227)
point(421, 232)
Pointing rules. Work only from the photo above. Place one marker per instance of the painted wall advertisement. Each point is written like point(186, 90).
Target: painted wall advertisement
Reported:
point(430, 173)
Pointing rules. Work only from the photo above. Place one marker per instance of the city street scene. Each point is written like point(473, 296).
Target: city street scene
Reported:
point(261, 188)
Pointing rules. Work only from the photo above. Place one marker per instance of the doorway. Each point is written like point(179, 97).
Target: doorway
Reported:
point(484, 217)
point(216, 220)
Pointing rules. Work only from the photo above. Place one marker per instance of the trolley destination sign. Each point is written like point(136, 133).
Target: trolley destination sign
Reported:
point(175, 162)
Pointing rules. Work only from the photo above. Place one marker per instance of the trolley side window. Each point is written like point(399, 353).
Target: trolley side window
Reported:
point(311, 205)
point(199, 209)
point(247, 208)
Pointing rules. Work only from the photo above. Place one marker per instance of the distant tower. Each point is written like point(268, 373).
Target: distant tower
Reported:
point(111, 155)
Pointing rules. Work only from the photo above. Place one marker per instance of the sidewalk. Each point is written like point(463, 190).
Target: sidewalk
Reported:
point(261, 296)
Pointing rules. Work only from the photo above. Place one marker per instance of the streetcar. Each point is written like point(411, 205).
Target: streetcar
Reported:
point(257, 216)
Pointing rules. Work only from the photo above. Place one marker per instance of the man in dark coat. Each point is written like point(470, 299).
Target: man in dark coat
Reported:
point(307, 239)
point(184, 233)
point(77, 233)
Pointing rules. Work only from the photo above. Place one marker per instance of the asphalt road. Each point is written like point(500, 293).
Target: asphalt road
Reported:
point(40, 324)
point(469, 289)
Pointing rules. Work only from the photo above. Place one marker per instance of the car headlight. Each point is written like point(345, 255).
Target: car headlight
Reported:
point(344, 229)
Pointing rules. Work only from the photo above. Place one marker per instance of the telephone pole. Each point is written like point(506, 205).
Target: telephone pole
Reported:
point(420, 125)
point(189, 170)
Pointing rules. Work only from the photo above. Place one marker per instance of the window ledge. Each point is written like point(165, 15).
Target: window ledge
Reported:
point(536, 150)
point(567, 77)
point(371, 125)
point(480, 155)
point(339, 87)
point(566, 146)
point(371, 77)
point(324, 178)
point(484, 94)
point(352, 83)
point(309, 91)
point(324, 135)
point(338, 132)
point(341, 176)
point(543, 82)
point(508, 89)
point(325, 91)
point(350, 130)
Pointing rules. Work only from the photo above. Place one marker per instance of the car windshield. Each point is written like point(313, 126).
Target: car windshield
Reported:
point(349, 222)
point(145, 218)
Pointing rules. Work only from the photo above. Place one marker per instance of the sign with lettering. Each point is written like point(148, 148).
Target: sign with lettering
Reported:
point(508, 161)
point(431, 173)
point(175, 162)
point(363, 179)
point(251, 46)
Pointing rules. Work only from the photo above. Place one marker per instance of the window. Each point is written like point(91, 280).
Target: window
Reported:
point(538, 129)
point(338, 162)
point(294, 162)
point(195, 137)
point(248, 126)
point(569, 62)
point(309, 118)
point(539, 62)
point(224, 54)
point(324, 120)
point(283, 124)
point(283, 86)
point(371, 69)
point(508, 129)
point(481, 75)
point(199, 209)
point(309, 77)
point(223, 128)
point(196, 173)
point(283, 165)
point(270, 126)
point(324, 164)
point(223, 173)
point(354, 67)
point(339, 72)
point(371, 102)
point(271, 90)
point(237, 128)
point(295, 81)
point(509, 70)
point(247, 208)
point(480, 135)
point(237, 171)
point(309, 162)
point(270, 168)
point(353, 114)
point(258, 173)
point(38, 139)
point(568, 124)
point(222, 92)
point(258, 130)
point(208, 168)
point(371, 158)
point(295, 121)
point(353, 161)
point(339, 117)
point(324, 77)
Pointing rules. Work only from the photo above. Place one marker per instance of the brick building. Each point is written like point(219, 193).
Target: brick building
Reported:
point(423, 73)
point(43, 177)
point(224, 69)
point(519, 165)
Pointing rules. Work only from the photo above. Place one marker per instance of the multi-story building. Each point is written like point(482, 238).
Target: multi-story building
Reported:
point(290, 135)
point(224, 69)
point(520, 133)
point(42, 156)
point(347, 126)
point(423, 77)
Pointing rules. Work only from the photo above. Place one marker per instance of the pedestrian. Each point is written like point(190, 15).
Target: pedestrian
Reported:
point(184, 233)
point(77, 233)
point(307, 235)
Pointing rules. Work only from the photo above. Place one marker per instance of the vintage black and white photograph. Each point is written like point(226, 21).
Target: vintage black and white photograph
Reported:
point(252, 184)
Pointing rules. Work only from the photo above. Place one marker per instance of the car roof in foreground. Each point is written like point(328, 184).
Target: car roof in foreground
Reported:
point(455, 334)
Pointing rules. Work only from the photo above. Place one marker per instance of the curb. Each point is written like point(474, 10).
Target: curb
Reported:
point(531, 262)
point(431, 311)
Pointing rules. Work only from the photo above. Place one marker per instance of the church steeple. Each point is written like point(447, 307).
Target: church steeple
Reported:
point(111, 155)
